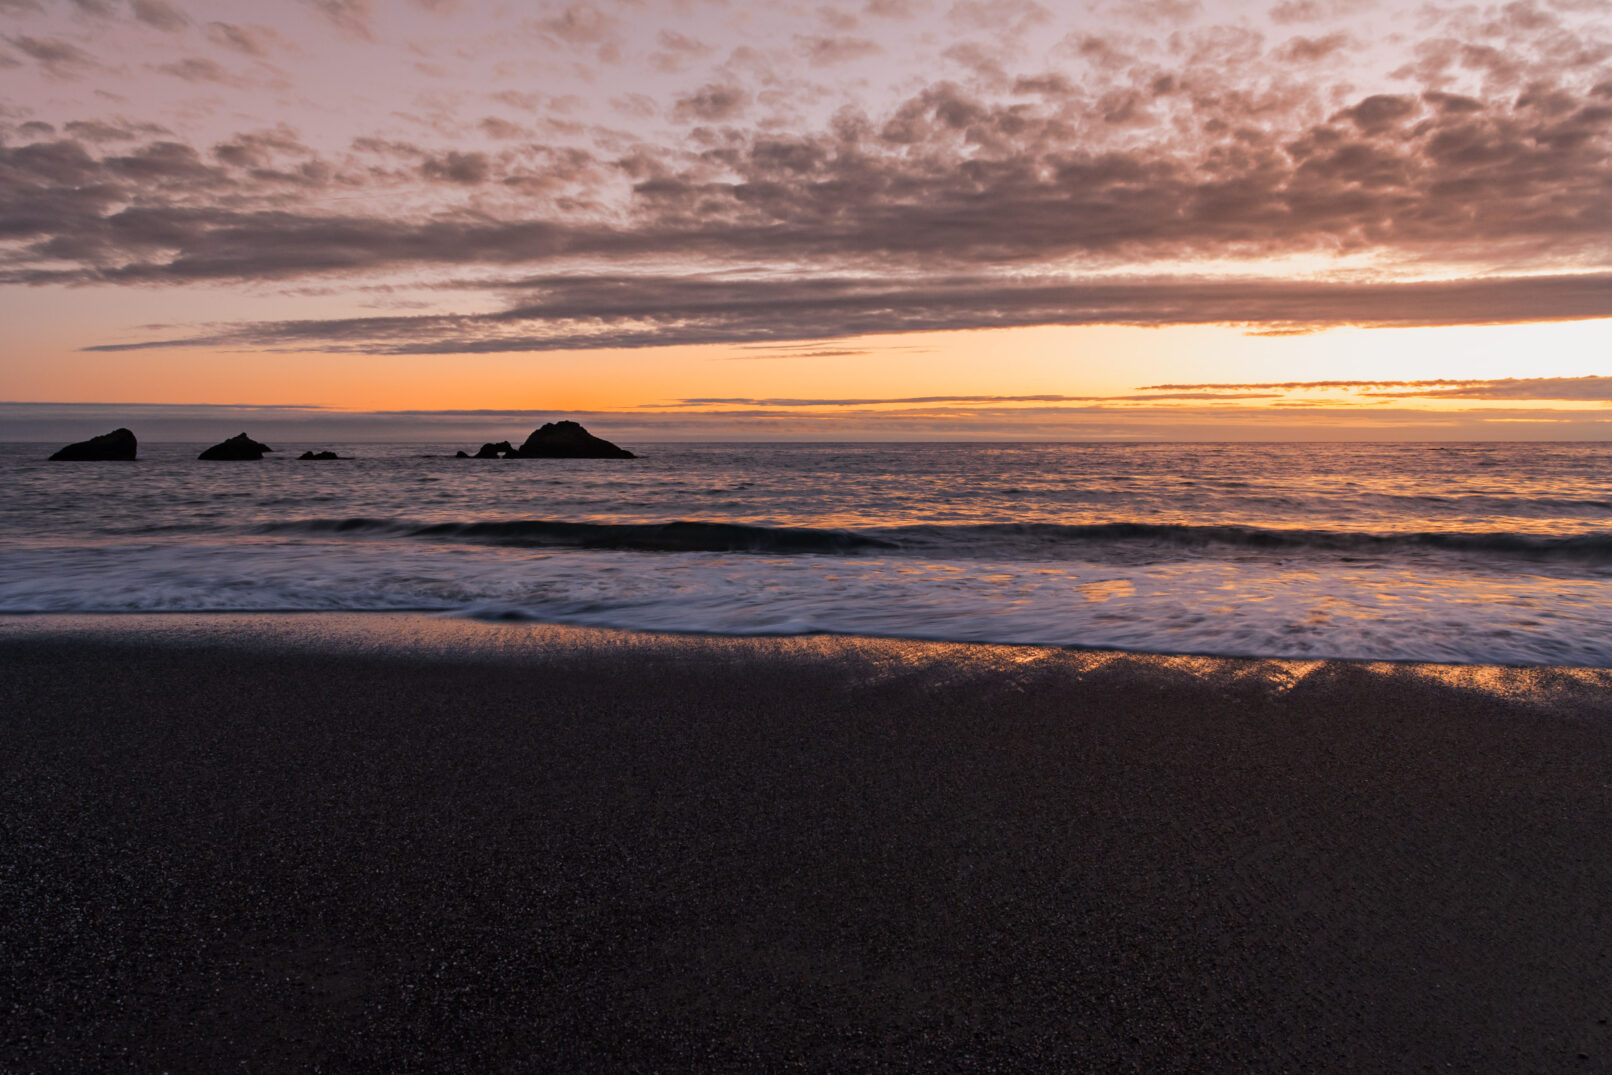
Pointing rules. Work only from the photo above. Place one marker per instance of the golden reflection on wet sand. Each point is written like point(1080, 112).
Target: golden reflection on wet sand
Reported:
point(870, 661)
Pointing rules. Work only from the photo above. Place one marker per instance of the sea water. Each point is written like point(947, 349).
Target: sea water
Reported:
point(1447, 552)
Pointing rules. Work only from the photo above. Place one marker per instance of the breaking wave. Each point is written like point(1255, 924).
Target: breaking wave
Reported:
point(1039, 540)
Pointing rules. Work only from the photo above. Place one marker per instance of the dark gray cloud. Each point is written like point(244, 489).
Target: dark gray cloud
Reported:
point(116, 131)
point(159, 13)
point(571, 312)
point(454, 167)
point(258, 149)
point(711, 103)
point(61, 58)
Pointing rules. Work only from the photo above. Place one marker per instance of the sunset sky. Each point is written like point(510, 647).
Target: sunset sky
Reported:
point(871, 218)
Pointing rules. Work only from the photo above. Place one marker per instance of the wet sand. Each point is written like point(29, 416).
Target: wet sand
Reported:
point(344, 843)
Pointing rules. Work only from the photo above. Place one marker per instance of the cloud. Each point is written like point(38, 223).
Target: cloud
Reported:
point(160, 163)
point(1306, 50)
point(159, 13)
point(61, 58)
point(199, 69)
point(1009, 18)
point(953, 181)
point(1582, 389)
point(677, 51)
point(1597, 389)
point(118, 131)
point(1160, 12)
point(1379, 112)
point(712, 103)
point(254, 41)
point(453, 167)
point(502, 128)
point(571, 312)
point(824, 51)
point(351, 16)
point(912, 400)
point(791, 203)
point(580, 24)
point(672, 41)
point(256, 149)
point(1292, 11)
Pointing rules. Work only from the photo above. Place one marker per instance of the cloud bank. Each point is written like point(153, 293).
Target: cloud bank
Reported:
point(1165, 165)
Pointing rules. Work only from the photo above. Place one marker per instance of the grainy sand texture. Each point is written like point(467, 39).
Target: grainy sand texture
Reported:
point(399, 843)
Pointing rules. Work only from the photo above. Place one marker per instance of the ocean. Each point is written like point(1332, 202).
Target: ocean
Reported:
point(1487, 553)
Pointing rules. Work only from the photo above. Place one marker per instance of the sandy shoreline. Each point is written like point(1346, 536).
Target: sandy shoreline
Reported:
point(406, 843)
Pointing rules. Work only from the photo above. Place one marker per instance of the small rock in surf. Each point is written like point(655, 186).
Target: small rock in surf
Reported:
point(239, 446)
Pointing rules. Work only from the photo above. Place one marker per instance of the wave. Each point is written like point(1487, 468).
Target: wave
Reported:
point(1017, 540)
point(681, 536)
point(1248, 605)
point(1595, 547)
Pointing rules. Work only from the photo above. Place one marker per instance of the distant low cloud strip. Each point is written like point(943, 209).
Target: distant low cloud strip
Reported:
point(1588, 389)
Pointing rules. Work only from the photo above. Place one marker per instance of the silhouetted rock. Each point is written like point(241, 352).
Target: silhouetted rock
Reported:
point(118, 444)
point(239, 446)
point(318, 455)
point(568, 440)
point(461, 455)
point(493, 451)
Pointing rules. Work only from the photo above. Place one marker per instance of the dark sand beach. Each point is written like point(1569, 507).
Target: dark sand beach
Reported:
point(398, 843)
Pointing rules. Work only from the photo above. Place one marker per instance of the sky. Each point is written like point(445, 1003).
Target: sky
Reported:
point(847, 219)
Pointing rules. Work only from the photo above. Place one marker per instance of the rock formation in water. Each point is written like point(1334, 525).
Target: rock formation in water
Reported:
point(493, 451)
point(118, 444)
point(318, 455)
point(568, 440)
point(239, 446)
point(461, 455)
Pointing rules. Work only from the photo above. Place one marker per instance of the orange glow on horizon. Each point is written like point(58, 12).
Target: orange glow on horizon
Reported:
point(1073, 361)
